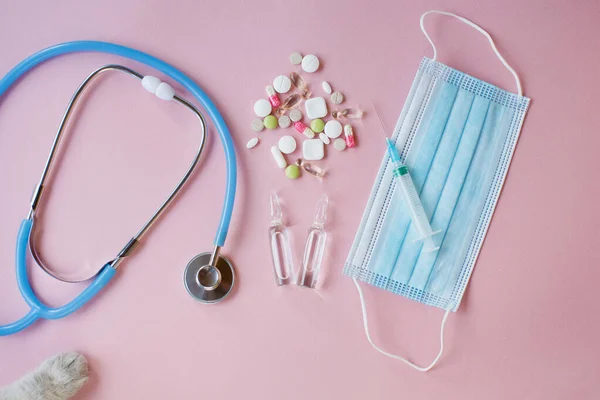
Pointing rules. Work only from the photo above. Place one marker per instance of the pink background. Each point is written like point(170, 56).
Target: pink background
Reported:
point(528, 327)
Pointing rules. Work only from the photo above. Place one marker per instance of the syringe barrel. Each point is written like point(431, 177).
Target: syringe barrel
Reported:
point(411, 198)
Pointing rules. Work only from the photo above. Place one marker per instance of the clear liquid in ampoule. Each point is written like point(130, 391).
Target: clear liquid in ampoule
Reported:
point(315, 246)
point(281, 249)
point(282, 255)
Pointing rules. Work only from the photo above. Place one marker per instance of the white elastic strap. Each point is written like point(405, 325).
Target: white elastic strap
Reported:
point(394, 356)
point(482, 31)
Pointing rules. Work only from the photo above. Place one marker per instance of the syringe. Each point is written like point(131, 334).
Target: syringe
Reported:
point(411, 197)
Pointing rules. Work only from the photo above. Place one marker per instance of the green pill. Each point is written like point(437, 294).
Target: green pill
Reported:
point(292, 171)
point(270, 122)
point(317, 125)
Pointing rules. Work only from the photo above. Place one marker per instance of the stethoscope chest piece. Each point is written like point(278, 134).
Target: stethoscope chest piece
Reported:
point(207, 283)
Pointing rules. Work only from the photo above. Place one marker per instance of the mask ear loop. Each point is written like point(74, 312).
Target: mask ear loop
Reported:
point(482, 31)
point(394, 356)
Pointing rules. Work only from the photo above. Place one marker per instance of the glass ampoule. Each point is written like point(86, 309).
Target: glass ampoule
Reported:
point(281, 249)
point(315, 246)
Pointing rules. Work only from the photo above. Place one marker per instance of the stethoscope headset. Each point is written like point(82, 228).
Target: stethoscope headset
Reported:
point(209, 277)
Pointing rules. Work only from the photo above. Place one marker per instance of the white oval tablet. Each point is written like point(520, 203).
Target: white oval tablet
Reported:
point(282, 84)
point(310, 63)
point(326, 87)
point(339, 144)
point(251, 143)
point(324, 138)
point(296, 58)
point(333, 129)
point(287, 144)
point(279, 158)
point(262, 108)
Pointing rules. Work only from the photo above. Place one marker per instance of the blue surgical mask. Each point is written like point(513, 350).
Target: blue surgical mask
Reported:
point(456, 134)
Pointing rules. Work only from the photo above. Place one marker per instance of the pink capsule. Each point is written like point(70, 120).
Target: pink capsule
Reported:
point(303, 129)
point(273, 98)
point(349, 136)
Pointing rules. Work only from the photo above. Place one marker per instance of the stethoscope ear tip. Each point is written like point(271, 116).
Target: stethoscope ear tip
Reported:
point(207, 283)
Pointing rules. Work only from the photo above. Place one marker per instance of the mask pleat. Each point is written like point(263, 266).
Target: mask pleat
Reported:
point(383, 190)
point(395, 225)
point(467, 205)
point(440, 218)
point(431, 170)
point(472, 200)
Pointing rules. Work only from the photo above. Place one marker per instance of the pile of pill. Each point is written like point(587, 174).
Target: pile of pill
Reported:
point(276, 112)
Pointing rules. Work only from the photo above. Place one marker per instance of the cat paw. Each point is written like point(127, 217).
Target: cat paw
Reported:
point(64, 374)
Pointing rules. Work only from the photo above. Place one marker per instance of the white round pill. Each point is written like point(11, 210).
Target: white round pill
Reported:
point(251, 143)
point(257, 125)
point(296, 58)
point(282, 84)
point(287, 144)
point(310, 63)
point(284, 121)
point(339, 144)
point(295, 115)
point(337, 98)
point(326, 87)
point(324, 138)
point(262, 108)
point(333, 129)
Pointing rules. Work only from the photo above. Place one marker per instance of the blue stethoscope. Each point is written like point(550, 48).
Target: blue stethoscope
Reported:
point(208, 277)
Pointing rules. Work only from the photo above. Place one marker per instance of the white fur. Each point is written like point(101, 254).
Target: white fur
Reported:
point(57, 378)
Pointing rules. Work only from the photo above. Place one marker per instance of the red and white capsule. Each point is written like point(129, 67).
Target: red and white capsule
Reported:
point(303, 129)
point(349, 136)
point(273, 98)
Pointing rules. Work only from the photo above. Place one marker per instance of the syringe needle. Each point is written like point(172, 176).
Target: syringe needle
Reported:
point(380, 119)
point(392, 151)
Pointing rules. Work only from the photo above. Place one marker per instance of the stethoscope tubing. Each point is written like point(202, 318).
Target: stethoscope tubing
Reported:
point(37, 308)
point(174, 74)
